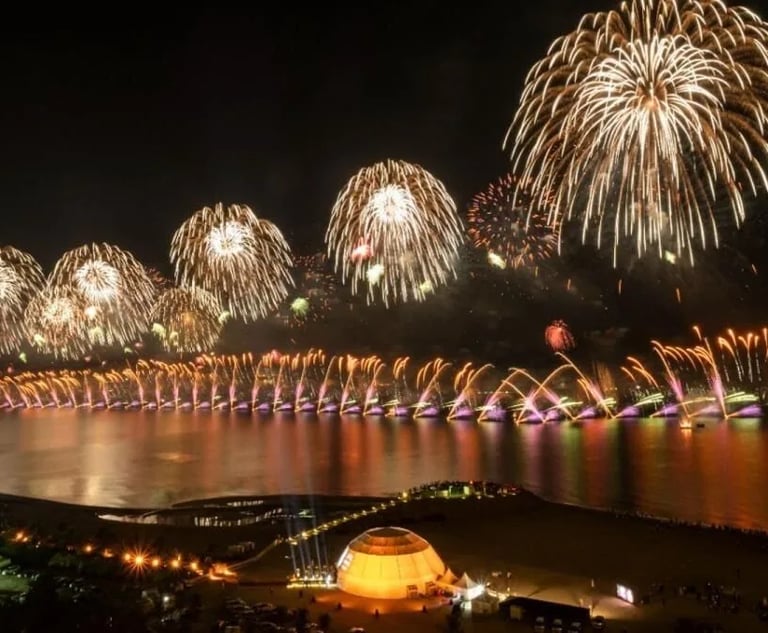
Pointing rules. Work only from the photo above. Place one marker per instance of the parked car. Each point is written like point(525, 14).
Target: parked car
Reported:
point(598, 623)
point(540, 625)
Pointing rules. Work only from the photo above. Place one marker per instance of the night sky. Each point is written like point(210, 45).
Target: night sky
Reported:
point(117, 130)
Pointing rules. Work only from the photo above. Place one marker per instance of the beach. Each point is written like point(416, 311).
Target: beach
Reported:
point(519, 545)
point(524, 546)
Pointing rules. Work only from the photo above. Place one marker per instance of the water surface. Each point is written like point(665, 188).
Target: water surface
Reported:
point(717, 474)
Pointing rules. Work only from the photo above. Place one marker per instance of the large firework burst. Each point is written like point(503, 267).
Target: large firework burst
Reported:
point(240, 259)
point(187, 320)
point(316, 291)
point(509, 226)
point(115, 288)
point(56, 322)
point(642, 118)
point(395, 229)
point(20, 279)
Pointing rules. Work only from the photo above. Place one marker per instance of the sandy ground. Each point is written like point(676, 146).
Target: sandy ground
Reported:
point(522, 545)
point(406, 616)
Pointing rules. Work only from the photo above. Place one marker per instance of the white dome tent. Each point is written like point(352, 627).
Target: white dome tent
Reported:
point(391, 563)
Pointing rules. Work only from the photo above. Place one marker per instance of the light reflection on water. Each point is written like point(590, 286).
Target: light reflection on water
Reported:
point(716, 474)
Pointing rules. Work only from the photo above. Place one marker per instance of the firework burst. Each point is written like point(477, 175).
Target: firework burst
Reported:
point(394, 228)
point(115, 288)
point(316, 292)
point(558, 337)
point(240, 259)
point(643, 118)
point(506, 224)
point(20, 279)
point(187, 320)
point(57, 324)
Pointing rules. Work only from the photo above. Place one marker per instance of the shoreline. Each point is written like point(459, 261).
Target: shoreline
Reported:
point(192, 504)
point(330, 503)
point(644, 516)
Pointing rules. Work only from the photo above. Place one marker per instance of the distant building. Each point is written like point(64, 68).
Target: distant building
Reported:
point(485, 604)
point(521, 608)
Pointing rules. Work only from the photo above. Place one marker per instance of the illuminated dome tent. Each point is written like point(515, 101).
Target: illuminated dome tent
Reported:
point(393, 563)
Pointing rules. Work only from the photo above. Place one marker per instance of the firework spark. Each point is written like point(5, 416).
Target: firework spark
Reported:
point(643, 118)
point(242, 260)
point(514, 231)
point(115, 288)
point(56, 322)
point(160, 281)
point(20, 279)
point(558, 336)
point(394, 227)
point(187, 320)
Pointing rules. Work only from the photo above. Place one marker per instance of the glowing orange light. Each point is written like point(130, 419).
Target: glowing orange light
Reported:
point(220, 569)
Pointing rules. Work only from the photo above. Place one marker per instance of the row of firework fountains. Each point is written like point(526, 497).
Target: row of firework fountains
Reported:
point(721, 378)
point(637, 126)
